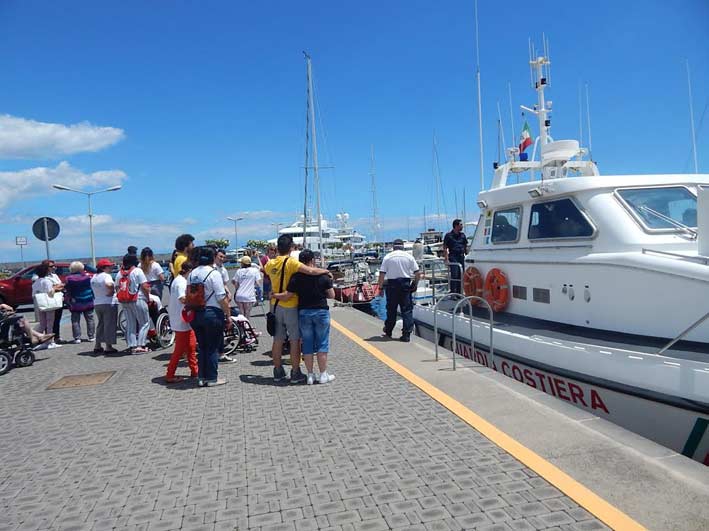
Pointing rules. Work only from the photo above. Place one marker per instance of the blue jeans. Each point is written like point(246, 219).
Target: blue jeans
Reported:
point(398, 292)
point(208, 326)
point(314, 326)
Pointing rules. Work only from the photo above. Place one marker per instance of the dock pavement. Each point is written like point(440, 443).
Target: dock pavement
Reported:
point(392, 443)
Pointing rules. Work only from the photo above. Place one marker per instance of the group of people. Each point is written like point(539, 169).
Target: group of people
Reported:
point(95, 298)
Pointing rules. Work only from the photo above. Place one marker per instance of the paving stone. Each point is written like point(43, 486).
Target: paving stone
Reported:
point(241, 456)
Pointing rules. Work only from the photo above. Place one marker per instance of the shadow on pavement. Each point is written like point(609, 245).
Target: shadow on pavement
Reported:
point(261, 380)
point(92, 354)
point(380, 339)
point(187, 383)
point(262, 363)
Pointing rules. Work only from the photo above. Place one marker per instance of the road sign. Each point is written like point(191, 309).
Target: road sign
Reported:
point(51, 227)
point(20, 240)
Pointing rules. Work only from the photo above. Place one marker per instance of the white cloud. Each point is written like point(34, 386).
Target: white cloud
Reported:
point(38, 181)
point(21, 138)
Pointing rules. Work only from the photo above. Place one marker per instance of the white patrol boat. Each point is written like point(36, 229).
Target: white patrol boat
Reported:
point(598, 286)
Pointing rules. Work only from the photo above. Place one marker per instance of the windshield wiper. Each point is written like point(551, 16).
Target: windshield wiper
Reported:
point(669, 220)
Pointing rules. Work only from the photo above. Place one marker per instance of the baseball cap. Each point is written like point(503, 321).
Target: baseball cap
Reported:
point(245, 260)
point(104, 262)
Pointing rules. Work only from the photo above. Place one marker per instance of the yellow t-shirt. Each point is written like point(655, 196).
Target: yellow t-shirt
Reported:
point(177, 264)
point(273, 270)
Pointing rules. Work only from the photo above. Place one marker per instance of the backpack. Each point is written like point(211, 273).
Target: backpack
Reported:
point(123, 293)
point(195, 298)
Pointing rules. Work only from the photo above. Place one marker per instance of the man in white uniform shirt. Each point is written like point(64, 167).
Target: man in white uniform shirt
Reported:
point(402, 275)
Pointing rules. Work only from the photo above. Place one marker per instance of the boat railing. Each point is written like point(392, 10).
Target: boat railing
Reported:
point(684, 333)
point(468, 301)
point(435, 316)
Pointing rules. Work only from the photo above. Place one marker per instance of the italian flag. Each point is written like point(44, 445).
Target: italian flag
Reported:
point(525, 139)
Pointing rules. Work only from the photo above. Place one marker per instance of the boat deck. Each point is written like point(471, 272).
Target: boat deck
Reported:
point(530, 326)
point(395, 442)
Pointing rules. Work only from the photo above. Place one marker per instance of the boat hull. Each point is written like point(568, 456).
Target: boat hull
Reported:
point(678, 424)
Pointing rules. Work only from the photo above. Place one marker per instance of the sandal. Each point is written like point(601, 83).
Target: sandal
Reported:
point(176, 379)
point(139, 350)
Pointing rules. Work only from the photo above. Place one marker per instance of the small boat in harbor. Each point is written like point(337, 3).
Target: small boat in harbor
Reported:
point(591, 288)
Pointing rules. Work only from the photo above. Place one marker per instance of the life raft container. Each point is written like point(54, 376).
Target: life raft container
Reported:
point(473, 284)
point(496, 290)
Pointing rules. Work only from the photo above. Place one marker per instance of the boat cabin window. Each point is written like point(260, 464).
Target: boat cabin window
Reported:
point(657, 208)
point(558, 219)
point(505, 225)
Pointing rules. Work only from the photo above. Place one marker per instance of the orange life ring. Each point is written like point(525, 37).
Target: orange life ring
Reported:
point(497, 289)
point(473, 283)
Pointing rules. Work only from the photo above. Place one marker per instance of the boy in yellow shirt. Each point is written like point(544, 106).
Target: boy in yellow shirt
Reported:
point(286, 312)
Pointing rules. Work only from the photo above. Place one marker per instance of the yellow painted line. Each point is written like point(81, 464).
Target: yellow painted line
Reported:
point(586, 498)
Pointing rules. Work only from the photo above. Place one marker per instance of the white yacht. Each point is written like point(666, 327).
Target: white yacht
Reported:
point(598, 288)
point(333, 238)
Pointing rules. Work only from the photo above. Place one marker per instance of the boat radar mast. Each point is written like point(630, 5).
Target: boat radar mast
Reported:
point(557, 158)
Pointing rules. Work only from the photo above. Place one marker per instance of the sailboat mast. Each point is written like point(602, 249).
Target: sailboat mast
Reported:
point(480, 105)
point(314, 140)
point(375, 213)
point(437, 180)
point(691, 119)
point(307, 148)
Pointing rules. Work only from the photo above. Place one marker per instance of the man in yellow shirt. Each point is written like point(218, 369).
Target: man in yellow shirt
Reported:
point(286, 312)
point(183, 245)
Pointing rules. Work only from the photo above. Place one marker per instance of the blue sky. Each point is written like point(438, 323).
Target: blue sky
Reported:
point(198, 108)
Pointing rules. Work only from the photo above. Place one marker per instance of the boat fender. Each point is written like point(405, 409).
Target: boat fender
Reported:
point(496, 289)
point(473, 284)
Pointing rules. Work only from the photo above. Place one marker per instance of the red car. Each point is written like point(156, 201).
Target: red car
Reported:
point(17, 290)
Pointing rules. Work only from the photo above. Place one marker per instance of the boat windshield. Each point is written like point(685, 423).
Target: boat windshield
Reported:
point(662, 208)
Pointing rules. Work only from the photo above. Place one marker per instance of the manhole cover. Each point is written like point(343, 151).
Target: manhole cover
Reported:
point(82, 380)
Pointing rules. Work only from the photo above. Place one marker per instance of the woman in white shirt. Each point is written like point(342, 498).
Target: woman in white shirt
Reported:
point(209, 322)
point(245, 280)
point(105, 306)
point(153, 271)
point(43, 284)
point(137, 315)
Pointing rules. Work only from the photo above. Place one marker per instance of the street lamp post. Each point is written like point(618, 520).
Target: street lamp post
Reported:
point(236, 233)
point(91, 215)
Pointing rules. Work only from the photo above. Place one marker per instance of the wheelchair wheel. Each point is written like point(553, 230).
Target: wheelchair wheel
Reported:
point(122, 321)
point(5, 362)
point(24, 358)
point(232, 339)
point(165, 334)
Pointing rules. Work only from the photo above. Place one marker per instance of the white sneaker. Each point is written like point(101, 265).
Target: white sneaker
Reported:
point(311, 378)
point(77, 341)
point(326, 377)
point(53, 345)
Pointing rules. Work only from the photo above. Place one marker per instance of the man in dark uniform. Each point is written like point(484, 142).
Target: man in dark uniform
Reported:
point(455, 246)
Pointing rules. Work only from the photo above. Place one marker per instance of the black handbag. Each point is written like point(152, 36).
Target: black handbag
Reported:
point(271, 316)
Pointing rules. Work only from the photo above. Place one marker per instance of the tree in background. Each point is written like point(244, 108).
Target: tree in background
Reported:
point(257, 244)
point(219, 243)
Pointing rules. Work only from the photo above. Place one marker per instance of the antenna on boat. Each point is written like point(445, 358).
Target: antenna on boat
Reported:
point(588, 123)
point(480, 105)
point(375, 213)
point(691, 118)
point(502, 130)
point(464, 209)
point(580, 116)
point(540, 71)
point(512, 119)
point(316, 175)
